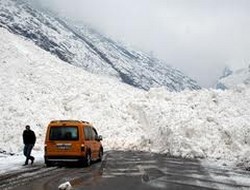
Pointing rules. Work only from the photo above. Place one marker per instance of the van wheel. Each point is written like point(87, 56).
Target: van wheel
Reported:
point(49, 164)
point(88, 159)
point(100, 154)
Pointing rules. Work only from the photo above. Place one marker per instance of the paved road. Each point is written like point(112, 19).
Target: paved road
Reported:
point(126, 170)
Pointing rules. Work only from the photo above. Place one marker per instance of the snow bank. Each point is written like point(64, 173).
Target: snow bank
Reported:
point(36, 87)
point(205, 124)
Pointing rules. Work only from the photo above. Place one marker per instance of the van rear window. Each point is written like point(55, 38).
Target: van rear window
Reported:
point(64, 133)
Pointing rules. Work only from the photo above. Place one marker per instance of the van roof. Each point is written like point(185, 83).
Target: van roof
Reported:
point(69, 121)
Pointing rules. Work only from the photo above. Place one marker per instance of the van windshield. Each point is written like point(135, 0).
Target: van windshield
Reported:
point(64, 133)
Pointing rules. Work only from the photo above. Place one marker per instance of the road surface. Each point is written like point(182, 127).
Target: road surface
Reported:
point(129, 170)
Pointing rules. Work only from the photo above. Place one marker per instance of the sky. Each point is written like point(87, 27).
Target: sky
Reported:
point(198, 37)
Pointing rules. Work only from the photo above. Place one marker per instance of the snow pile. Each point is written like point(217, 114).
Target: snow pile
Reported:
point(65, 186)
point(36, 87)
point(208, 123)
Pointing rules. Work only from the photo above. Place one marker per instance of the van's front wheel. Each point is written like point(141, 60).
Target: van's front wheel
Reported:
point(100, 154)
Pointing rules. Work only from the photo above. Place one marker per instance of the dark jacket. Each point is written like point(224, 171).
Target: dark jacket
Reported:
point(29, 137)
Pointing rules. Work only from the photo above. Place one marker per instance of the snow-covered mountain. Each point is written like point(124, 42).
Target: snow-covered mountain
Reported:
point(82, 46)
point(36, 87)
point(231, 78)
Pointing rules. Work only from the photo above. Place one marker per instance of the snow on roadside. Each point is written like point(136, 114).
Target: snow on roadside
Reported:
point(15, 162)
point(205, 124)
point(36, 87)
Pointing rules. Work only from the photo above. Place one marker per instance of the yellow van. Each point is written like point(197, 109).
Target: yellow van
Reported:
point(72, 141)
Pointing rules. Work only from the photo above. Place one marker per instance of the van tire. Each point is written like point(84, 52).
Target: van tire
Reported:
point(100, 154)
point(88, 159)
point(49, 164)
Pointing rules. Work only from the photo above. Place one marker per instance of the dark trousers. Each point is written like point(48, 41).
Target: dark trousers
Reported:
point(27, 151)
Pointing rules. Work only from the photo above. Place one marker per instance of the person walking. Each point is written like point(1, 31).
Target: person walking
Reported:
point(29, 140)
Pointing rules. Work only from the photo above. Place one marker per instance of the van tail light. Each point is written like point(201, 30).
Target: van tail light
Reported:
point(82, 148)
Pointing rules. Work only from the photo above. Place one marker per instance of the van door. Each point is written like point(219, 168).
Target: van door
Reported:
point(64, 140)
point(89, 139)
point(96, 144)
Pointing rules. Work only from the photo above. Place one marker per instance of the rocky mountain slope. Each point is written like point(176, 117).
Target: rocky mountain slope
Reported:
point(231, 78)
point(84, 47)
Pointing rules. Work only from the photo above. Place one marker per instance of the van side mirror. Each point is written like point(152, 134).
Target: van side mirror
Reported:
point(99, 138)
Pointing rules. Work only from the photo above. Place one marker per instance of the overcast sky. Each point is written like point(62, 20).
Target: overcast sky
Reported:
point(199, 37)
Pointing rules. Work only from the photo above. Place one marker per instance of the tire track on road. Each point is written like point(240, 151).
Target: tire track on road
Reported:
point(18, 178)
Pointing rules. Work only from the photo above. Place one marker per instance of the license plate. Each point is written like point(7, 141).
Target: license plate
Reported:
point(63, 146)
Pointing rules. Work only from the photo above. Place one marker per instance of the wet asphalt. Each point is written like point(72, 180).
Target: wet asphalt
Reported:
point(131, 170)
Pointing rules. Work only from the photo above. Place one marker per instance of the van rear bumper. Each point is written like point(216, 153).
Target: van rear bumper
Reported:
point(63, 159)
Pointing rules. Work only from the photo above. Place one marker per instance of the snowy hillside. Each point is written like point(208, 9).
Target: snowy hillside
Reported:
point(82, 46)
point(36, 87)
point(233, 78)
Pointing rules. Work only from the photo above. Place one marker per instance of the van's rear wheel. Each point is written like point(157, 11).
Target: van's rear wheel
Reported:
point(48, 163)
point(88, 159)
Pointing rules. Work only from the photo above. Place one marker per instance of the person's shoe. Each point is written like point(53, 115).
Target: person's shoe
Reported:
point(25, 164)
point(32, 160)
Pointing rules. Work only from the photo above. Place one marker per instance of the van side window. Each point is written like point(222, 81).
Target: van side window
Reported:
point(88, 134)
point(94, 134)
